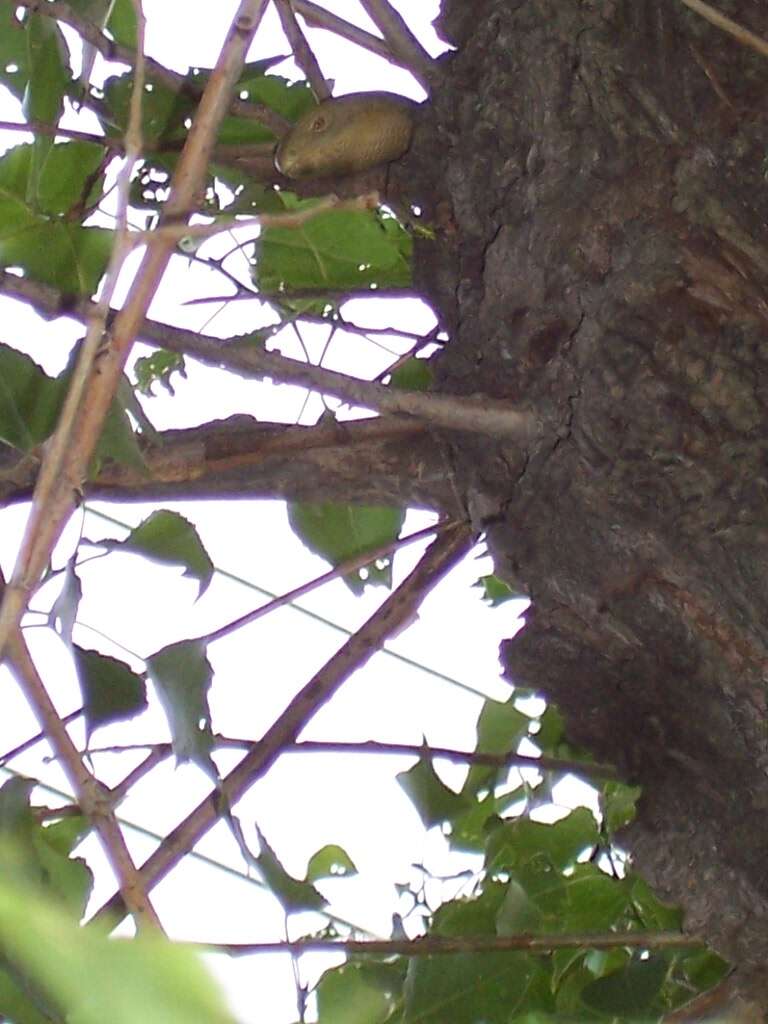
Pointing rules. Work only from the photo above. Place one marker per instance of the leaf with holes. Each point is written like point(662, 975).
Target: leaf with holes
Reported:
point(169, 538)
point(340, 532)
point(182, 676)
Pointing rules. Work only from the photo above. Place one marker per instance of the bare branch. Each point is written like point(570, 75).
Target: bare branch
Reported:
point(350, 565)
point(714, 17)
point(510, 760)
point(442, 945)
point(302, 51)
point(39, 737)
point(318, 17)
point(475, 414)
point(402, 42)
point(94, 800)
point(398, 609)
point(41, 128)
point(593, 770)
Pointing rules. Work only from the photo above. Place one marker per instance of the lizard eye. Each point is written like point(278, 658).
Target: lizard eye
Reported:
point(320, 123)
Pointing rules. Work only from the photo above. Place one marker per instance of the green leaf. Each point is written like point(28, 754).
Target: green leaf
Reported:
point(122, 23)
point(467, 988)
point(517, 842)
point(358, 993)
point(111, 690)
point(182, 676)
point(414, 375)
point(293, 893)
point(517, 914)
point(289, 99)
point(704, 969)
point(551, 730)
point(163, 110)
point(29, 400)
point(330, 861)
point(340, 532)
point(500, 728)
point(435, 803)
point(335, 250)
point(475, 916)
point(470, 828)
point(169, 538)
point(88, 978)
point(46, 69)
point(631, 992)
point(38, 856)
point(118, 441)
point(652, 912)
point(595, 902)
point(495, 591)
point(618, 804)
point(67, 170)
point(47, 247)
point(158, 368)
point(14, 73)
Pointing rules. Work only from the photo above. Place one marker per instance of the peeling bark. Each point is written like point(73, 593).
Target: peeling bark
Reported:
point(389, 460)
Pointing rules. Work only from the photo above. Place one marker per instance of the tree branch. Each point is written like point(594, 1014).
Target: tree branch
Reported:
point(318, 17)
point(398, 609)
point(714, 17)
point(302, 51)
point(93, 799)
point(441, 945)
point(389, 460)
point(350, 565)
point(400, 39)
point(510, 760)
point(490, 417)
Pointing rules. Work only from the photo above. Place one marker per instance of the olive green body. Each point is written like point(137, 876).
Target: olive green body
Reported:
point(347, 134)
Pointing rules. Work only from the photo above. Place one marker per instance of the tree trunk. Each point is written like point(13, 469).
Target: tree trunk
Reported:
point(602, 257)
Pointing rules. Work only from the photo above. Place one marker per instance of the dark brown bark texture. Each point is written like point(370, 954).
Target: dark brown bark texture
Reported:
point(602, 256)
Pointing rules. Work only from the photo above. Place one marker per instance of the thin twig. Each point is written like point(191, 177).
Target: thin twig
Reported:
point(39, 737)
point(402, 42)
point(288, 219)
point(441, 945)
point(42, 128)
point(714, 17)
point(318, 17)
point(509, 760)
point(302, 51)
point(397, 610)
point(152, 760)
point(345, 567)
point(476, 414)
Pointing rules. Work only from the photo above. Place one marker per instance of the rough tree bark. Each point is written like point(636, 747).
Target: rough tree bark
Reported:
point(604, 258)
